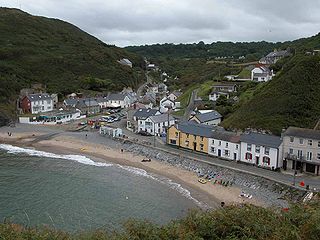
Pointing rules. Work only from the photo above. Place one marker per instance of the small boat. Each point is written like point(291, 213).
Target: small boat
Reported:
point(202, 180)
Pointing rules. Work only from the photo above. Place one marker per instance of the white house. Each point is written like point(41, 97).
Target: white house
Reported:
point(224, 144)
point(215, 95)
point(37, 103)
point(212, 118)
point(118, 100)
point(261, 74)
point(174, 95)
point(166, 103)
point(156, 125)
point(261, 150)
point(111, 131)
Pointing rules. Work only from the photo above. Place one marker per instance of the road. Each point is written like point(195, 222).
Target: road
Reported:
point(142, 86)
point(191, 105)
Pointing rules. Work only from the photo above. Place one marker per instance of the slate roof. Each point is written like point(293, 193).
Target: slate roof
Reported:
point(282, 53)
point(161, 118)
point(302, 133)
point(206, 117)
point(39, 96)
point(116, 97)
point(196, 129)
point(70, 102)
point(143, 113)
point(226, 136)
point(261, 139)
point(177, 93)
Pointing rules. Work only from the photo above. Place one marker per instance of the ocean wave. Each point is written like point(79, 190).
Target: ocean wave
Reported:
point(87, 161)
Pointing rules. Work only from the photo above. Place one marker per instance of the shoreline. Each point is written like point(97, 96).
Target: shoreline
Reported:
point(209, 194)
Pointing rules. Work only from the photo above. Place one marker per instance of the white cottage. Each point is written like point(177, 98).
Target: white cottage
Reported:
point(157, 124)
point(262, 150)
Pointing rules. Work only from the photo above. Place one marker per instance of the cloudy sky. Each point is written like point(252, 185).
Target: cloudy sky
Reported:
point(139, 22)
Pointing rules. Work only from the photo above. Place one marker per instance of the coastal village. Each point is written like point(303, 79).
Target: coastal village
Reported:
point(151, 112)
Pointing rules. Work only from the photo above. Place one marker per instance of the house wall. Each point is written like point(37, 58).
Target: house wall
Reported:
point(218, 148)
point(41, 106)
point(275, 161)
point(290, 152)
point(214, 122)
point(172, 97)
point(153, 128)
point(26, 105)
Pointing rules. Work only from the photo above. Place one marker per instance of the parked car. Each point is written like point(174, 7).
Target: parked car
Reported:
point(144, 133)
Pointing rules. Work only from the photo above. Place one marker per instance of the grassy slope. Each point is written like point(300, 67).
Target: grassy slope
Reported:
point(290, 99)
point(56, 53)
point(245, 222)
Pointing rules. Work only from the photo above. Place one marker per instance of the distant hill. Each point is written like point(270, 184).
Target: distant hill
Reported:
point(63, 57)
point(290, 99)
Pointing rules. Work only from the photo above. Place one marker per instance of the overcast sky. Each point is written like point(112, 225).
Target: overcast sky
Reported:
point(140, 22)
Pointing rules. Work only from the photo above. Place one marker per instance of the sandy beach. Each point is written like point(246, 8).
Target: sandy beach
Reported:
point(210, 194)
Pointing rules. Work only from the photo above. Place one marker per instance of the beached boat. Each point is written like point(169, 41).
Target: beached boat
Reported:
point(202, 180)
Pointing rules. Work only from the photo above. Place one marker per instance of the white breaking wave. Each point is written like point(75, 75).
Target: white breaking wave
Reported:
point(87, 161)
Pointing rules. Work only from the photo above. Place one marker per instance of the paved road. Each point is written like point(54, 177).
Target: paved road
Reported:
point(142, 86)
point(191, 105)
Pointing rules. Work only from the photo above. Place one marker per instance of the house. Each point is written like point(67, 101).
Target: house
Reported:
point(174, 95)
point(225, 87)
point(301, 150)
point(225, 145)
point(110, 131)
point(156, 125)
point(162, 88)
point(135, 115)
point(102, 101)
point(212, 118)
point(70, 102)
point(214, 96)
point(115, 100)
point(166, 103)
point(88, 106)
point(125, 62)
point(55, 99)
point(262, 150)
point(37, 103)
point(190, 136)
point(261, 74)
point(274, 56)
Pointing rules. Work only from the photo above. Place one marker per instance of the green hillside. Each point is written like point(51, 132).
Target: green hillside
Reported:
point(63, 57)
point(290, 99)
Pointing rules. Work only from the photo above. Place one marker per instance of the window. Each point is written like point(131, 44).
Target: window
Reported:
point(266, 160)
point(187, 135)
point(319, 144)
point(201, 147)
point(219, 143)
point(140, 122)
point(195, 137)
point(318, 156)
point(177, 134)
point(214, 150)
point(290, 151)
point(173, 141)
point(300, 153)
point(187, 143)
point(266, 151)
point(309, 156)
point(201, 138)
point(291, 139)
point(309, 142)
point(301, 140)
point(249, 147)
point(257, 149)
point(227, 145)
point(237, 146)
point(226, 152)
point(212, 142)
point(248, 156)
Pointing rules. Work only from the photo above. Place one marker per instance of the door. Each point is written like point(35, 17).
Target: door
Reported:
point(234, 156)
point(257, 160)
point(219, 152)
point(195, 146)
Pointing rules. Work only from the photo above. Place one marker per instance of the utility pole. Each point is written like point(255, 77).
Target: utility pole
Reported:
point(295, 172)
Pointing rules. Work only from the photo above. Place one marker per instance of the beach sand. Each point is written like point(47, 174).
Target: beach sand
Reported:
point(210, 194)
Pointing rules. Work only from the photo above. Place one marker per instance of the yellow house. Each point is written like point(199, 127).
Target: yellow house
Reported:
point(190, 136)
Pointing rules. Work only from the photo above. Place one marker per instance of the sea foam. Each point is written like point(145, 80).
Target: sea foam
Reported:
point(87, 161)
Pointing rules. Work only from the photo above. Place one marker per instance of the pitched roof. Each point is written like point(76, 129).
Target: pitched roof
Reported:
point(145, 113)
point(302, 132)
point(161, 118)
point(226, 136)
point(116, 97)
point(70, 102)
point(39, 96)
point(205, 117)
point(261, 139)
point(196, 129)
point(177, 93)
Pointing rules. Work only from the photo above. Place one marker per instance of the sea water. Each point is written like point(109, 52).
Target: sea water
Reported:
point(72, 192)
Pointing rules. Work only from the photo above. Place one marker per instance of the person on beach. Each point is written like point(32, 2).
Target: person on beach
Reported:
point(121, 150)
point(86, 136)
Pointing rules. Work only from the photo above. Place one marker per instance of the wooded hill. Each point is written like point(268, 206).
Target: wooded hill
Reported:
point(63, 57)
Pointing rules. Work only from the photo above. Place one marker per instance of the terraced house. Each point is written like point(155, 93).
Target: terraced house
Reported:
point(301, 150)
point(190, 136)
